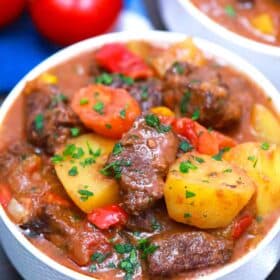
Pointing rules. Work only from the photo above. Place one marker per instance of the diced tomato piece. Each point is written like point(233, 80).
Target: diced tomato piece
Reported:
point(241, 225)
point(5, 195)
point(108, 216)
point(117, 58)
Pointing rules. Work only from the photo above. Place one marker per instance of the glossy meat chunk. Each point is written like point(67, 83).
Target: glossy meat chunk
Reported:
point(144, 160)
point(201, 92)
point(179, 252)
point(48, 117)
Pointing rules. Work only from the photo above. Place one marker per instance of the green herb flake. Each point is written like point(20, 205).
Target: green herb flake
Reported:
point(265, 146)
point(92, 268)
point(185, 102)
point(123, 248)
point(115, 168)
point(156, 226)
point(85, 194)
point(78, 153)
point(144, 94)
point(105, 79)
point(123, 114)
point(185, 166)
point(230, 11)
point(129, 265)
point(75, 131)
point(98, 257)
point(153, 121)
point(199, 159)
point(254, 160)
point(219, 156)
point(190, 194)
point(83, 101)
point(99, 108)
point(259, 219)
point(127, 80)
point(146, 247)
point(117, 149)
point(73, 171)
point(228, 170)
point(111, 265)
point(196, 114)
point(108, 126)
point(69, 150)
point(179, 69)
point(187, 215)
point(39, 122)
point(57, 159)
point(185, 146)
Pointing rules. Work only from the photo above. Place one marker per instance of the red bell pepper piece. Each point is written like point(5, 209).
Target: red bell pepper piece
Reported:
point(117, 58)
point(241, 225)
point(203, 140)
point(5, 195)
point(107, 216)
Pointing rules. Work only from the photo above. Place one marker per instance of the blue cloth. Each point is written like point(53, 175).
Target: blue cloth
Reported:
point(22, 48)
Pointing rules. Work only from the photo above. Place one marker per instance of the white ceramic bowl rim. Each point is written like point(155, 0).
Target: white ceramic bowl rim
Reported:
point(157, 38)
point(228, 34)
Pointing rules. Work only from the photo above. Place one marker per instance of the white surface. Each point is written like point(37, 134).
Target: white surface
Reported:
point(33, 264)
point(182, 16)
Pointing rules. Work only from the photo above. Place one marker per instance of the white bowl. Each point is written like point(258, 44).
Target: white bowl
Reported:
point(34, 264)
point(184, 16)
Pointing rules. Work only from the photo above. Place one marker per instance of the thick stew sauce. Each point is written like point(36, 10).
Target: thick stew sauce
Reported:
point(136, 162)
point(258, 20)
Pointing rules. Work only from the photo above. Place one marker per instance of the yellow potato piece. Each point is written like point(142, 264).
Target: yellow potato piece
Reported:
point(209, 195)
point(84, 183)
point(264, 24)
point(265, 125)
point(185, 51)
point(261, 161)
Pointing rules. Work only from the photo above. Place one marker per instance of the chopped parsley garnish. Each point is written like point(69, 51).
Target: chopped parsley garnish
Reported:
point(117, 149)
point(57, 159)
point(73, 171)
point(98, 257)
point(219, 155)
point(199, 159)
point(146, 247)
point(253, 159)
point(187, 215)
point(104, 78)
point(92, 268)
point(127, 80)
point(75, 131)
point(179, 69)
point(144, 94)
point(230, 11)
point(196, 114)
point(58, 98)
point(190, 194)
point(69, 150)
point(115, 168)
point(96, 153)
point(111, 265)
point(129, 265)
point(85, 194)
point(123, 113)
point(265, 146)
point(87, 161)
point(156, 226)
point(228, 170)
point(153, 121)
point(39, 122)
point(185, 146)
point(185, 102)
point(99, 108)
point(123, 248)
point(108, 126)
point(83, 101)
point(78, 153)
point(185, 166)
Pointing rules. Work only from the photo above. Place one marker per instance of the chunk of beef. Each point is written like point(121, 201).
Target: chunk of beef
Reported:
point(203, 90)
point(49, 119)
point(142, 164)
point(180, 252)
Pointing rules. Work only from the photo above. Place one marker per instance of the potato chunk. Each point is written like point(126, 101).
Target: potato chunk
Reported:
point(204, 192)
point(78, 167)
point(261, 161)
point(266, 126)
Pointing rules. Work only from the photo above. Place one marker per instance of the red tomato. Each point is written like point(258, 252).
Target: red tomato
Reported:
point(10, 10)
point(5, 195)
point(66, 22)
point(241, 225)
point(108, 216)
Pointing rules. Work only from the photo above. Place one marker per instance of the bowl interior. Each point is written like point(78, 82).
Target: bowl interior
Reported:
point(156, 38)
point(228, 34)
